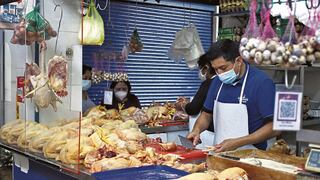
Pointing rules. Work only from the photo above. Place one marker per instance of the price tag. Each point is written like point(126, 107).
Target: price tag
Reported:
point(108, 96)
point(287, 109)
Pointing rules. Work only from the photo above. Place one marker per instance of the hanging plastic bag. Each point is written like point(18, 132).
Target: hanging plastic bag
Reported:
point(124, 53)
point(135, 44)
point(33, 28)
point(293, 56)
point(290, 34)
point(308, 40)
point(93, 27)
point(187, 45)
point(270, 47)
point(250, 39)
point(263, 12)
point(252, 29)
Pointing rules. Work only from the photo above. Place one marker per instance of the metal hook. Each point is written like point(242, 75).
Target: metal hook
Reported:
point(286, 80)
point(59, 25)
point(105, 7)
point(312, 5)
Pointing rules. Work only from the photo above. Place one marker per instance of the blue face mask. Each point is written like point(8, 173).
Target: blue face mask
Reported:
point(228, 77)
point(86, 84)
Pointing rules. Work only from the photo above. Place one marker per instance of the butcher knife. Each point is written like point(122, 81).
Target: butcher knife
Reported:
point(185, 142)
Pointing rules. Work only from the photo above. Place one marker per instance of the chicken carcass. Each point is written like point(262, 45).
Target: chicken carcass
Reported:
point(58, 75)
point(43, 94)
point(32, 70)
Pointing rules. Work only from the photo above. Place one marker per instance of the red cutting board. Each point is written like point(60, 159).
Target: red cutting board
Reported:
point(183, 152)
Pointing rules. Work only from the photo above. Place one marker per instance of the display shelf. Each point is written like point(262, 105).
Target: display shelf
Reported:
point(78, 172)
point(226, 14)
point(280, 68)
point(311, 122)
point(164, 129)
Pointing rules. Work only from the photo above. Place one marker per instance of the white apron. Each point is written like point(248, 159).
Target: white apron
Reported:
point(231, 120)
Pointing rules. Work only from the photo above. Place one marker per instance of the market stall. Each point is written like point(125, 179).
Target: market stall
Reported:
point(138, 58)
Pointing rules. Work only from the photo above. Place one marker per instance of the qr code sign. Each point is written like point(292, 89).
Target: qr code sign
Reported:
point(287, 109)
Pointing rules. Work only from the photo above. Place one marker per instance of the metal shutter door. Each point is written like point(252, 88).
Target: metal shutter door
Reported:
point(153, 76)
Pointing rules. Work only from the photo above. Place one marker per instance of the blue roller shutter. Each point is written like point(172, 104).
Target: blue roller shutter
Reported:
point(153, 76)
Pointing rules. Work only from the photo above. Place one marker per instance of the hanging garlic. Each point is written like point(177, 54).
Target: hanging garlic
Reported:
point(293, 59)
point(274, 57)
point(253, 52)
point(266, 54)
point(244, 41)
point(258, 57)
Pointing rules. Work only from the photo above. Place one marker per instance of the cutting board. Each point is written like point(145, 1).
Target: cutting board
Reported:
point(255, 172)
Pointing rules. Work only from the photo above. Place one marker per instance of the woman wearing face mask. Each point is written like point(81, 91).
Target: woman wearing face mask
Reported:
point(206, 74)
point(122, 96)
point(87, 103)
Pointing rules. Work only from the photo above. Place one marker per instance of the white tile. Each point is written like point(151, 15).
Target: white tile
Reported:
point(76, 98)
point(71, 19)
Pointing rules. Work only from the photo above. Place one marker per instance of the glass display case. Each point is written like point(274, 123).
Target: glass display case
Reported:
point(41, 91)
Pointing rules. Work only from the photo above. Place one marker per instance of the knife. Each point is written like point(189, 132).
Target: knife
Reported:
point(185, 142)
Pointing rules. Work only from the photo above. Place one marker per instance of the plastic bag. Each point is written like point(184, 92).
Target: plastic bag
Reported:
point(268, 32)
point(135, 44)
point(33, 28)
point(250, 41)
point(187, 45)
point(252, 29)
point(263, 17)
point(93, 27)
point(124, 53)
point(290, 34)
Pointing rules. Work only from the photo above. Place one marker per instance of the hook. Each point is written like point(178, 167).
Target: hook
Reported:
point(286, 80)
point(105, 7)
point(59, 25)
point(312, 5)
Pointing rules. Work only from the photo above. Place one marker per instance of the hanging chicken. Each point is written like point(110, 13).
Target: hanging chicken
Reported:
point(58, 75)
point(32, 70)
point(43, 95)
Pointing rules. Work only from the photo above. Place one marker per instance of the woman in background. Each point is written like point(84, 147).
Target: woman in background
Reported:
point(122, 96)
point(207, 74)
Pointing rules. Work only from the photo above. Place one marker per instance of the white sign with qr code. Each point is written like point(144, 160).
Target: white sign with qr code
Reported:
point(287, 111)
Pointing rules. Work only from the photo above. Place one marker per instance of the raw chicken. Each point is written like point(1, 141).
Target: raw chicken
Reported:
point(43, 95)
point(58, 75)
point(32, 70)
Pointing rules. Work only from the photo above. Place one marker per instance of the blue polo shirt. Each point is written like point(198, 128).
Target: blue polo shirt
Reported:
point(259, 95)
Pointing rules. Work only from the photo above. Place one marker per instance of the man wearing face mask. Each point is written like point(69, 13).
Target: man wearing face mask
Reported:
point(240, 102)
point(206, 74)
point(87, 103)
point(122, 96)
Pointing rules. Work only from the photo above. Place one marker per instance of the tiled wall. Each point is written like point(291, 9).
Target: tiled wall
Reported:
point(68, 38)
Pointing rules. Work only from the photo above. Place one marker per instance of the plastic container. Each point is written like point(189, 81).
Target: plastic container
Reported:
point(153, 172)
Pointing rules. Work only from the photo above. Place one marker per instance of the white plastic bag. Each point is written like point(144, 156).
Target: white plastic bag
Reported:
point(93, 27)
point(187, 45)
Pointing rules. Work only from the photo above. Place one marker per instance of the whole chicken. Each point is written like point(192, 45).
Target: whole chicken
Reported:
point(58, 75)
point(32, 70)
point(43, 95)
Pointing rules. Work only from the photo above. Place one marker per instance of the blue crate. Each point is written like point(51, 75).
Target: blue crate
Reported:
point(153, 172)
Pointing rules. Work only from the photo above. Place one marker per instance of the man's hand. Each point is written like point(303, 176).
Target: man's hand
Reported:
point(194, 137)
point(228, 145)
